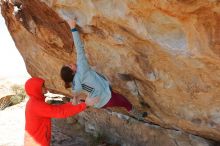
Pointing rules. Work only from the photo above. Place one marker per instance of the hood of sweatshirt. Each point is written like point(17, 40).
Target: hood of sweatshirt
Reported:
point(33, 88)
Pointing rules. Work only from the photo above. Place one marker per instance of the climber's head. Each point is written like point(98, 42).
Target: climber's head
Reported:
point(67, 74)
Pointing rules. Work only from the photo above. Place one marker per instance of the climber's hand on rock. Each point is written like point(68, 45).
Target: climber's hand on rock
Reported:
point(78, 97)
point(72, 23)
point(91, 101)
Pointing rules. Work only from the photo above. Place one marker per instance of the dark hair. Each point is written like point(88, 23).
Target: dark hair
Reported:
point(67, 75)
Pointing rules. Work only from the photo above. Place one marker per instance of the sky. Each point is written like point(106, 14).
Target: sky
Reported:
point(11, 62)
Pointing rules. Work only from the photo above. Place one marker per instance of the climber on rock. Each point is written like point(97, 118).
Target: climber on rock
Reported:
point(84, 79)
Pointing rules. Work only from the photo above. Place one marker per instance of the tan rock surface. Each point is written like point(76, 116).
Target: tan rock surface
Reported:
point(170, 49)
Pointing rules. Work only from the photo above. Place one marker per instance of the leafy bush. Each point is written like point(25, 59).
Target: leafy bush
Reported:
point(19, 94)
point(18, 90)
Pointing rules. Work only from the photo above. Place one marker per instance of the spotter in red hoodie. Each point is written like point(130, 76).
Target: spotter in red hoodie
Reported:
point(38, 114)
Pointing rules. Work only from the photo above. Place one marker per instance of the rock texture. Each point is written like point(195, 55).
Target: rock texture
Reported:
point(125, 131)
point(164, 56)
point(67, 132)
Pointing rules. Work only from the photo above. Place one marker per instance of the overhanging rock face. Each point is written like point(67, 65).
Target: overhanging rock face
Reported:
point(164, 56)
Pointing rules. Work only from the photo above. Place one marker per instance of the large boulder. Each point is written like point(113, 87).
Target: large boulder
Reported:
point(164, 56)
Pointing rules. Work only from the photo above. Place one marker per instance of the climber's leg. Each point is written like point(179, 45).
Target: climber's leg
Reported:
point(118, 100)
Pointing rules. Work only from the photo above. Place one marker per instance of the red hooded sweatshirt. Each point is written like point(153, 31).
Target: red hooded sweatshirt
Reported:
point(38, 114)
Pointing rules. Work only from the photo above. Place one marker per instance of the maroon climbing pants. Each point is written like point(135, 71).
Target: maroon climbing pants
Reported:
point(118, 100)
